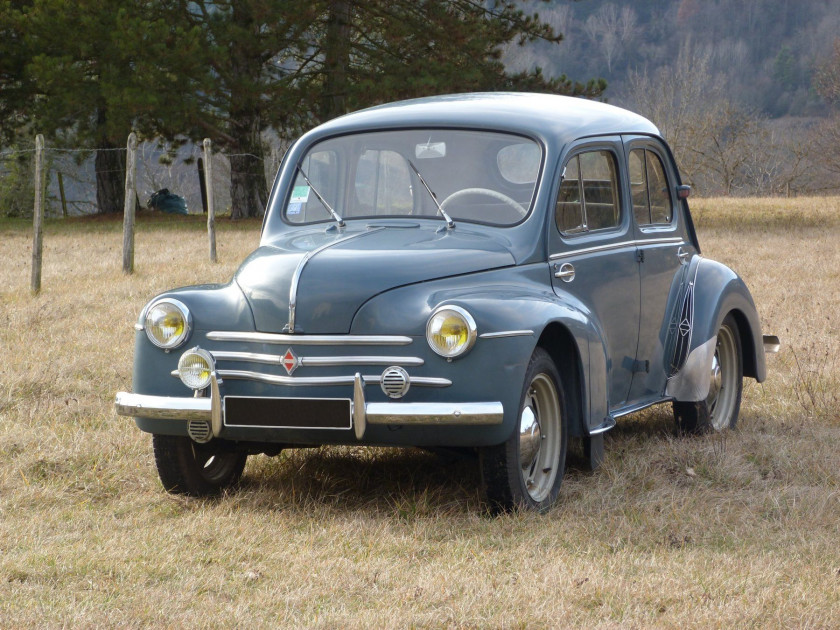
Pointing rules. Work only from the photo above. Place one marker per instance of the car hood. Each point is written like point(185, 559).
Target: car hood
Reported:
point(338, 271)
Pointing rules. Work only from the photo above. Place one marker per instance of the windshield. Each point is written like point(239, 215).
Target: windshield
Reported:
point(475, 176)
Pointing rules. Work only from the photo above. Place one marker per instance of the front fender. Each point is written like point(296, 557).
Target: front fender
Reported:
point(519, 300)
point(718, 291)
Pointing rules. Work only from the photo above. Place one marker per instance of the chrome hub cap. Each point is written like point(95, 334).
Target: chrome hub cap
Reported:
point(723, 385)
point(539, 437)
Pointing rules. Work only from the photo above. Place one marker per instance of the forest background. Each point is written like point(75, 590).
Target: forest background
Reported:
point(745, 91)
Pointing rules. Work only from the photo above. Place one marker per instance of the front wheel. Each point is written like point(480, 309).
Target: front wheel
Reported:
point(186, 467)
point(527, 469)
point(720, 408)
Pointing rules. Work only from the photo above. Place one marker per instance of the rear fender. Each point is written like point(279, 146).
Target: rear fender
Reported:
point(717, 292)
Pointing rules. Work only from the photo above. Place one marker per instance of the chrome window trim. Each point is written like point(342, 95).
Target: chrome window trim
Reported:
point(622, 245)
point(276, 359)
point(506, 333)
point(293, 289)
point(311, 340)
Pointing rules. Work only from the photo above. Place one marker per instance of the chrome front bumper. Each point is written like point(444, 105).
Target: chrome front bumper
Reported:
point(210, 409)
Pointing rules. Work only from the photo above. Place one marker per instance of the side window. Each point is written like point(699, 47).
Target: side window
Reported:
point(649, 185)
point(383, 184)
point(588, 195)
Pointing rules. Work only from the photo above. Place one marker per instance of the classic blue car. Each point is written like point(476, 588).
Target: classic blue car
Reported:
point(494, 271)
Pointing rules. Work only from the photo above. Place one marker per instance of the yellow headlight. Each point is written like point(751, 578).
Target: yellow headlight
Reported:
point(167, 323)
point(451, 331)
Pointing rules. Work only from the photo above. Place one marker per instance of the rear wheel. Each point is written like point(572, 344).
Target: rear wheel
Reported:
point(186, 467)
point(720, 408)
point(527, 469)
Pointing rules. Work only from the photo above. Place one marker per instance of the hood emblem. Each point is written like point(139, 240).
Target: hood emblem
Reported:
point(290, 361)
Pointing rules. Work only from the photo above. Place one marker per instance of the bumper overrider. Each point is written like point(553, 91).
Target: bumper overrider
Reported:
point(211, 410)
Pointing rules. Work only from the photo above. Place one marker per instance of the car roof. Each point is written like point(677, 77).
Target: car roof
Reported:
point(561, 118)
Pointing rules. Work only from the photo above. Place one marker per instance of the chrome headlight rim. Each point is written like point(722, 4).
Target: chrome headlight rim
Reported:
point(205, 356)
point(468, 320)
point(176, 341)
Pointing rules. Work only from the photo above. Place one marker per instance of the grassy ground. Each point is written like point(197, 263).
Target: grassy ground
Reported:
point(734, 530)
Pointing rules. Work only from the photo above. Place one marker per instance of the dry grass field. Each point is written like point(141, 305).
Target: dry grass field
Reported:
point(728, 531)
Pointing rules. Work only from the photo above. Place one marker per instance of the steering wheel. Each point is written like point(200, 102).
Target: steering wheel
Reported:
point(490, 193)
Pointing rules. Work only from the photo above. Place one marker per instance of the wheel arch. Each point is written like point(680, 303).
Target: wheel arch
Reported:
point(561, 346)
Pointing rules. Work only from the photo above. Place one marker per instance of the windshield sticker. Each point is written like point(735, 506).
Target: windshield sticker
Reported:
point(300, 194)
point(294, 208)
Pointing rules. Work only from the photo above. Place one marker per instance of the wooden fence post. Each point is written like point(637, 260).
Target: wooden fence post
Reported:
point(38, 212)
point(211, 211)
point(128, 207)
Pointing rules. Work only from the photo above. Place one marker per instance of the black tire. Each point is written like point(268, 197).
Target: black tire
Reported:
point(526, 471)
point(198, 470)
point(720, 409)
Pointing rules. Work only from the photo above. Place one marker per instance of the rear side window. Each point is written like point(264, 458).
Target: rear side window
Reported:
point(588, 195)
point(649, 185)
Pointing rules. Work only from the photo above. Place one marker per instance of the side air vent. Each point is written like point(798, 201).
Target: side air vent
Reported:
point(199, 431)
point(395, 382)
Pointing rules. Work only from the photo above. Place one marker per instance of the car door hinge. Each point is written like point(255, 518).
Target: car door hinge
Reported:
point(640, 255)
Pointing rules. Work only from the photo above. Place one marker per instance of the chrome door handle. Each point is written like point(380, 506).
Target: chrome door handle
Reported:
point(683, 255)
point(566, 272)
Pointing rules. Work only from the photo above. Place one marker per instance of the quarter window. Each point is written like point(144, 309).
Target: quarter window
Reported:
point(650, 190)
point(588, 195)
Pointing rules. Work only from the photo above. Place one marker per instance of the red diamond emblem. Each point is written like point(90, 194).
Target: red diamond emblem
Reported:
point(289, 361)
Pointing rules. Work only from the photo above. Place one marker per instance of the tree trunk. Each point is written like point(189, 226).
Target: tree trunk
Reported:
point(110, 178)
point(336, 60)
point(248, 190)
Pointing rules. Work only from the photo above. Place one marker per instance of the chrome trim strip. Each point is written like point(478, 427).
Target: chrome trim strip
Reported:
point(638, 407)
point(163, 407)
point(276, 359)
point(622, 245)
point(606, 425)
point(506, 333)
point(293, 289)
point(325, 381)
point(311, 340)
point(478, 413)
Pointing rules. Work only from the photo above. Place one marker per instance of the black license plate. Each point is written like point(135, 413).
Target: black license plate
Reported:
point(288, 413)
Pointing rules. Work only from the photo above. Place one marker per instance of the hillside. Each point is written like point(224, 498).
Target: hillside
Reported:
point(764, 50)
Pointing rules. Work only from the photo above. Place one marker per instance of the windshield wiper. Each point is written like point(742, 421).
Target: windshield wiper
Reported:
point(323, 201)
point(450, 224)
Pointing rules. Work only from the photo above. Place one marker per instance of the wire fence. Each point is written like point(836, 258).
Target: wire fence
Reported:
point(71, 176)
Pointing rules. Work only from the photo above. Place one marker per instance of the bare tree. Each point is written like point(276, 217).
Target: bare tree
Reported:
point(611, 30)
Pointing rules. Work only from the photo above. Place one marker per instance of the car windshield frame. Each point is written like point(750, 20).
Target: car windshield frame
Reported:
point(411, 155)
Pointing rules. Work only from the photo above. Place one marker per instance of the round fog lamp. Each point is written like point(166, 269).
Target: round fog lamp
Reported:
point(195, 368)
point(167, 323)
point(451, 331)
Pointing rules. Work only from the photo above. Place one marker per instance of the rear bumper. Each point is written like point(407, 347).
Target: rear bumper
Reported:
point(211, 410)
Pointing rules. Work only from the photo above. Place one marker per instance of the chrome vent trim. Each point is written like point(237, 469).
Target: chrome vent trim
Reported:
point(311, 340)
point(199, 431)
point(395, 382)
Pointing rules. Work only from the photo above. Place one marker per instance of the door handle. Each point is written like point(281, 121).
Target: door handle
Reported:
point(566, 272)
point(683, 255)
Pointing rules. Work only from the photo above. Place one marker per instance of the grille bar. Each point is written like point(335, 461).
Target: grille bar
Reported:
point(311, 340)
point(276, 359)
